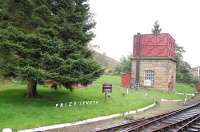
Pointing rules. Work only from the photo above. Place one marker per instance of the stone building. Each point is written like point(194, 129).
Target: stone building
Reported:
point(153, 62)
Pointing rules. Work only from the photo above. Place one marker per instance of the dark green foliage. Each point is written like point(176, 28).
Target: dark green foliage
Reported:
point(47, 39)
point(124, 66)
point(183, 68)
point(156, 28)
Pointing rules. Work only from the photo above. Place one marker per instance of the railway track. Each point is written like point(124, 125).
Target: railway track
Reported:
point(186, 119)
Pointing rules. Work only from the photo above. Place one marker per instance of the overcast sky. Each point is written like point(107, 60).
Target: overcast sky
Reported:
point(118, 20)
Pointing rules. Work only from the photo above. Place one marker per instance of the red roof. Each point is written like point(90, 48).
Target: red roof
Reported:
point(161, 45)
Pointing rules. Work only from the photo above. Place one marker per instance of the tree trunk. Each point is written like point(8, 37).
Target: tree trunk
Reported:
point(32, 89)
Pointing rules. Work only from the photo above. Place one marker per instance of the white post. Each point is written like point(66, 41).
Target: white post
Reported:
point(185, 100)
point(126, 90)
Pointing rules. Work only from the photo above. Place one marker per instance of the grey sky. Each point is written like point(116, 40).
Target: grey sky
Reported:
point(118, 20)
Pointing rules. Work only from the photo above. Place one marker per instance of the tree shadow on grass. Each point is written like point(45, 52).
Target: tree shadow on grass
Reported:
point(17, 97)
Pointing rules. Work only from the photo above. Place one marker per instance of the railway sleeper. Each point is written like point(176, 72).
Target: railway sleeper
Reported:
point(197, 123)
point(168, 122)
point(192, 130)
point(196, 126)
point(188, 114)
point(172, 130)
point(181, 118)
point(193, 126)
point(191, 111)
point(185, 115)
point(176, 125)
point(174, 120)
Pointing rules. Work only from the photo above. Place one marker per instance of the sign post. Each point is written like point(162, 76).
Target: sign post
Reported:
point(107, 89)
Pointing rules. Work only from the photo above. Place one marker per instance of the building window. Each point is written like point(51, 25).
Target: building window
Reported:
point(149, 77)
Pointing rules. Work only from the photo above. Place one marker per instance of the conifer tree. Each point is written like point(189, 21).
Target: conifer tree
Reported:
point(156, 28)
point(47, 39)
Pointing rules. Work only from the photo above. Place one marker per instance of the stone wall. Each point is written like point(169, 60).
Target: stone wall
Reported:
point(164, 70)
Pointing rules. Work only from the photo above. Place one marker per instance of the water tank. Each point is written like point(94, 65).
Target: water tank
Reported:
point(159, 46)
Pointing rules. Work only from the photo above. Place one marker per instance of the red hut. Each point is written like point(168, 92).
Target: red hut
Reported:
point(126, 80)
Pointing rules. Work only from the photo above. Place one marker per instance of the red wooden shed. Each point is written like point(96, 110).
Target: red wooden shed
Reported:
point(198, 87)
point(126, 80)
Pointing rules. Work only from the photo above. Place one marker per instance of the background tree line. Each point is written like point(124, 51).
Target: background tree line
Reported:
point(183, 68)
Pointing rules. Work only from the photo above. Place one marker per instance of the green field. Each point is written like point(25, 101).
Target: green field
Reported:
point(19, 112)
point(183, 88)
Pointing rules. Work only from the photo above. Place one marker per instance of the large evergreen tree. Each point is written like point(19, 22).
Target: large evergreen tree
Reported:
point(47, 39)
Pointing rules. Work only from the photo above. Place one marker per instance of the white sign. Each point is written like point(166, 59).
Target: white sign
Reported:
point(75, 103)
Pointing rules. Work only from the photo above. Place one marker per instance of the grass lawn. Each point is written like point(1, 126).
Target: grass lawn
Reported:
point(184, 88)
point(19, 112)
